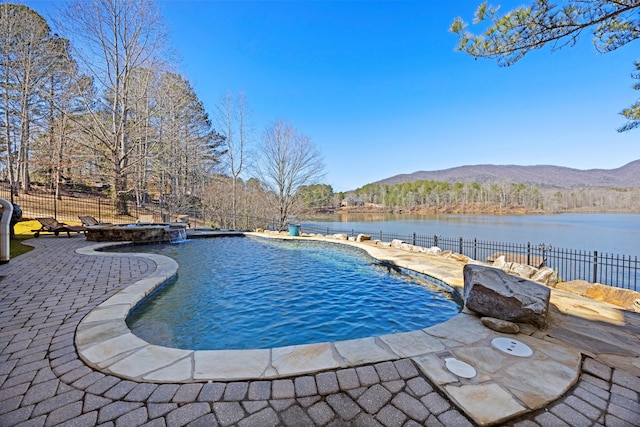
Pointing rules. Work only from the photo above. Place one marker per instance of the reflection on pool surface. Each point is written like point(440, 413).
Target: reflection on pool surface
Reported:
point(246, 293)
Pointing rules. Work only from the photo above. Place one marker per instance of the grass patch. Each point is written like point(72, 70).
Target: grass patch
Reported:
point(23, 232)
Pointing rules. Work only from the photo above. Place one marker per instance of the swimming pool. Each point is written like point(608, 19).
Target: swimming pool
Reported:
point(248, 293)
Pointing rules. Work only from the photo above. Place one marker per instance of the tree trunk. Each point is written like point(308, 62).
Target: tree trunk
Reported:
point(7, 136)
point(119, 191)
point(25, 119)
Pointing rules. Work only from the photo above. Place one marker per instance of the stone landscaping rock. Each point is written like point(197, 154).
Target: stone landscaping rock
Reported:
point(459, 257)
point(500, 325)
point(546, 276)
point(499, 262)
point(396, 243)
point(521, 270)
point(494, 293)
point(362, 238)
point(406, 247)
point(625, 298)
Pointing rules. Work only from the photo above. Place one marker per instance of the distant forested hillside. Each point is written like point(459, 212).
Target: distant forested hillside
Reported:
point(505, 189)
point(541, 176)
point(463, 197)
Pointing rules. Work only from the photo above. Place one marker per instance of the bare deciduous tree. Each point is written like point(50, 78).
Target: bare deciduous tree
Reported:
point(232, 116)
point(288, 160)
point(114, 40)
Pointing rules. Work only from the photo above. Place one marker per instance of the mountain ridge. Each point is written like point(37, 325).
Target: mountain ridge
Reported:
point(549, 176)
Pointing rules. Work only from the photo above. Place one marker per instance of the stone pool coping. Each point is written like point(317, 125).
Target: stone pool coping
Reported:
point(505, 385)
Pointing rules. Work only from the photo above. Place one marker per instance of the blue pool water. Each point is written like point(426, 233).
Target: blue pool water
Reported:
point(246, 293)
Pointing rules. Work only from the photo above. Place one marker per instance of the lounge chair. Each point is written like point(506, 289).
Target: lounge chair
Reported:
point(88, 221)
point(51, 225)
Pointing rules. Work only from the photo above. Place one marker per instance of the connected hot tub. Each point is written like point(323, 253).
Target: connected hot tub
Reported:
point(137, 233)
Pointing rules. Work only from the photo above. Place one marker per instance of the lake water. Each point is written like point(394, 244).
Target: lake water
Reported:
point(605, 233)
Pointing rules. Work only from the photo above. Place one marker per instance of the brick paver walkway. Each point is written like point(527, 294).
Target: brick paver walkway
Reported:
point(45, 293)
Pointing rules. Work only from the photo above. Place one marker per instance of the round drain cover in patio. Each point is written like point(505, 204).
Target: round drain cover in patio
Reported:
point(511, 346)
point(459, 368)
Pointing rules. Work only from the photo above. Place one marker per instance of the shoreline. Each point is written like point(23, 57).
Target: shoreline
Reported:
point(462, 210)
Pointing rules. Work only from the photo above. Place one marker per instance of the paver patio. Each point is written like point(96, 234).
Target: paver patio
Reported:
point(45, 294)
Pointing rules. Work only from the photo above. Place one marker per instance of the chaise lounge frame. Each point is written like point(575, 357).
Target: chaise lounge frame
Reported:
point(88, 221)
point(51, 225)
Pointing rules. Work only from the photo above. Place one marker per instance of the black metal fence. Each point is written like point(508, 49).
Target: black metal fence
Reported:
point(70, 205)
point(622, 271)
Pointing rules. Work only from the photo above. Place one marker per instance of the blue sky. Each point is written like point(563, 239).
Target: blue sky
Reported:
point(379, 88)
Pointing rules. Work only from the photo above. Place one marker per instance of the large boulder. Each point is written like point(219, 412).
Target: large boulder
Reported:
point(494, 293)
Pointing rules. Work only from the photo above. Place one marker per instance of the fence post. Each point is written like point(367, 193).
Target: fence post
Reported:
point(475, 249)
point(460, 246)
point(595, 266)
point(528, 253)
point(414, 239)
point(435, 240)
